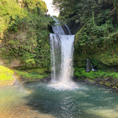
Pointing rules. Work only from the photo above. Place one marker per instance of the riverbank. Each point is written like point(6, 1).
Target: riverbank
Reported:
point(8, 76)
point(32, 75)
point(13, 104)
point(105, 78)
point(39, 100)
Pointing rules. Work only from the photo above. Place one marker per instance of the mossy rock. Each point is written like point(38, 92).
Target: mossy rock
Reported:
point(108, 84)
point(101, 82)
point(92, 81)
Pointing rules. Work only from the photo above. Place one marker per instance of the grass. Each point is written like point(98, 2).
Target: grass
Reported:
point(80, 72)
point(32, 74)
point(6, 73)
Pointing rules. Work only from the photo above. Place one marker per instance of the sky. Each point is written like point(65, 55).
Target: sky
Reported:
point(51, 9)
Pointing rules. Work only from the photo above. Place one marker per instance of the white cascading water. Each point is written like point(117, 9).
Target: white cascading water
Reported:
point(61, 58)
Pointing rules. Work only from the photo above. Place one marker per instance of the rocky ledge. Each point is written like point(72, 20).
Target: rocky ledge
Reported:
point(107, 82)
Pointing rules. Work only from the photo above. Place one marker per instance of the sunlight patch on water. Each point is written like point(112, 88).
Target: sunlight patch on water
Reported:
point(10, 97)
point(14, 105)
point(23, 112)
point(104, 113)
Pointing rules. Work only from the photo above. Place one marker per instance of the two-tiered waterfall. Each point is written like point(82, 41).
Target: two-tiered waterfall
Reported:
point(62, 57)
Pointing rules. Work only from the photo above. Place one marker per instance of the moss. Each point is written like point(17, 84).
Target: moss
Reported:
point(108, 84)
point(6, 76)
point(106, 78)
point(101, 82)
point(31, 75)
point(91, 81)
point(6, 73)
point(107, 57)
point(80, 72)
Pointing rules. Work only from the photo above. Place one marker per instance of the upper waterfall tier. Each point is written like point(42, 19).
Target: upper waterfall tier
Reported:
point(62, 57)
point(61, 30)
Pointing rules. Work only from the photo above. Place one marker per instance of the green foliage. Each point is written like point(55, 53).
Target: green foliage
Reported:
point(6, 73)
point(10, 13)
point(98, 43)
point(31, 75)
point(94, 22)
point(108, 58)
point(25, 32)
point(80, 72)
point(38, 6)
point(95, 36)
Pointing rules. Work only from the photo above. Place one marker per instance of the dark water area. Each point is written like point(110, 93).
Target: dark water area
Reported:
point(37, 100)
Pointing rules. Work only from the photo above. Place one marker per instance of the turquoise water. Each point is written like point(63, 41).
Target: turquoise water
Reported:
point(87, 101)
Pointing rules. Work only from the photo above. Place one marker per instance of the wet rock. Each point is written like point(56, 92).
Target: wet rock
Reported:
point(108, 82)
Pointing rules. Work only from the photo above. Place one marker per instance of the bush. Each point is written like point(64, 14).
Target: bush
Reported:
point(25, 33)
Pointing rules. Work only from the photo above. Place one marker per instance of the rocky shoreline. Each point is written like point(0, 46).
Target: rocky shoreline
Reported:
point(107, 82)
point(6, 83)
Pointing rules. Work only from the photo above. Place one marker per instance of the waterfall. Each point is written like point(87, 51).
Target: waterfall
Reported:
point(67, 29)
point(57, 28)
point(61, 57)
